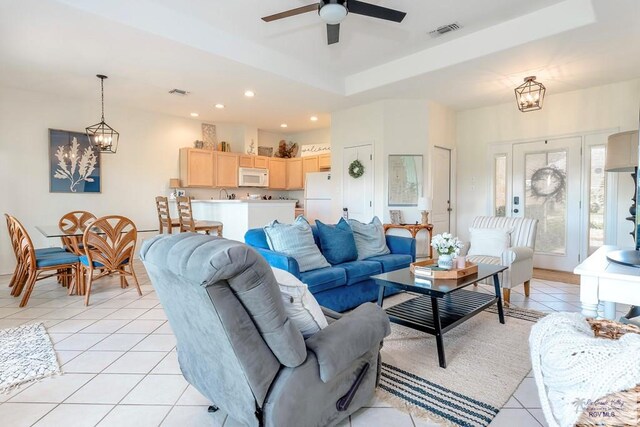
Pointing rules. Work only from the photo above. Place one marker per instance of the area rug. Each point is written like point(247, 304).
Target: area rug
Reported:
point(26, 354)
point(486, 361)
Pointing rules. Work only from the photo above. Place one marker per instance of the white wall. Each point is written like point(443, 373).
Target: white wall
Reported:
point(147, 157)
point(315, 136)
point(582, 111)
point(392, 127)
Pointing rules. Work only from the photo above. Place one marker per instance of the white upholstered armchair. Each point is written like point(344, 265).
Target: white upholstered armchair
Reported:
point(504, 241)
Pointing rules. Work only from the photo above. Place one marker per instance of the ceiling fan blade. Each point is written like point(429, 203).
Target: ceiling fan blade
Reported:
point(368, 9)
point(333, 33)
point(292, 12)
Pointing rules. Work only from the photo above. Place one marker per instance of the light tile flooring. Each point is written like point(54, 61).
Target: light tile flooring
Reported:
point(120, 365)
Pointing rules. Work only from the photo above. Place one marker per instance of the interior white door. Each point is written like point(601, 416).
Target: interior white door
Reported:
point(441, 205)
point(357, 194)
point(547, 187)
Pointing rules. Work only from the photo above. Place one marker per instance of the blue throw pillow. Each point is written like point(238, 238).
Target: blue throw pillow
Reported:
point(296, 240)
point(370, 238)
point(338, 244)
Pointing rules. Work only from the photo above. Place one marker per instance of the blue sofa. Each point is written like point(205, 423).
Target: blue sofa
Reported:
point(344, 286)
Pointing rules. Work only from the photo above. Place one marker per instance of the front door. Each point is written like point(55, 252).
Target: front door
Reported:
point(441, 208)
point(546, 186)
point(358, 192)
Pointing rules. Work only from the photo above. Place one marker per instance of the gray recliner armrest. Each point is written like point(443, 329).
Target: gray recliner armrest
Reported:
point(346, 339)
point(331, 315)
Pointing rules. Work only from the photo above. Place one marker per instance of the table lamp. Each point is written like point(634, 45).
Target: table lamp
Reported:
point(424, 206)
point(622, 156)
point(174, 183)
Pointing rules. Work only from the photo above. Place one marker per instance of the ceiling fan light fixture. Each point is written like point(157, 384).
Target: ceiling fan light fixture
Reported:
point(333, 13)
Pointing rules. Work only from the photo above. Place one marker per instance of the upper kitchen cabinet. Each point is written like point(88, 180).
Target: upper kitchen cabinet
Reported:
point(295, 177)
point(196, 167)
point(277, 174)
point(261, 162)
point(246, 161)
point(249, 161)
point(324, 161)
point(309, 164)
point(226, 169)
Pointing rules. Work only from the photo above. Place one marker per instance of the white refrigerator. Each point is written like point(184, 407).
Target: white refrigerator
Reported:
point(318, 190)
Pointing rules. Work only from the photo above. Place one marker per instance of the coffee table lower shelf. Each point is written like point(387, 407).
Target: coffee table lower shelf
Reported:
point(452, 310)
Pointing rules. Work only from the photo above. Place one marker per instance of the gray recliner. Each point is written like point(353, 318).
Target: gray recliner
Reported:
point(237, 347)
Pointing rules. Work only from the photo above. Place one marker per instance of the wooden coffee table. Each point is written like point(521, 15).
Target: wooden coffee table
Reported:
point(443, 304)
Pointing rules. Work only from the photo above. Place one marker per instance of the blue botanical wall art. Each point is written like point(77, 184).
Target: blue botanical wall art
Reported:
point(74, 163)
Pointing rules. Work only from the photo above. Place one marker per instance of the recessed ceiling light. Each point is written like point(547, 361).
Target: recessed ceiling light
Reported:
point(194, 114)
point(249, 94)
point(284, 125)
point(219, 106)
point(314, 118)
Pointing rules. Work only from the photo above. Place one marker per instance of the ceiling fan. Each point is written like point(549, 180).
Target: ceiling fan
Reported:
point(334, 11)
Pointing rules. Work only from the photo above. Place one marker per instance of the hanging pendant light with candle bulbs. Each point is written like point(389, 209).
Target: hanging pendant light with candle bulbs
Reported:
point(101, 134)
point(530, 95)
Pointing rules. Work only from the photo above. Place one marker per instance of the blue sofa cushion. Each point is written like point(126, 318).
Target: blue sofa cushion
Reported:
point(392, 262)
point(324, 278)
point(370, 238)
point(257, 238)
point(337, 242)
point(296, 240)
point(358, 271)
point(59, 258)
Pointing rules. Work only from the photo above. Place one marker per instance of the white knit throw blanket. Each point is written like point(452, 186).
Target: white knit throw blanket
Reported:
point(571, 366)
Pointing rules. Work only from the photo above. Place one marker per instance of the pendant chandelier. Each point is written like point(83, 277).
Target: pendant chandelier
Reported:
point(530, 95)
point(101, 134)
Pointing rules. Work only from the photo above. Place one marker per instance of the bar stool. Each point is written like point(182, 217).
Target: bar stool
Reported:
point(187, 223)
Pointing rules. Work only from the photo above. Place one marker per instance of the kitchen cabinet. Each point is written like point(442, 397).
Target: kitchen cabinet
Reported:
point(324, 161)
point(249, 161)
point(261, 162)
point(295, 178)
point(196, 167)
point(226, 169)
point(309, 164)
point(277, 174)
point(246, 161)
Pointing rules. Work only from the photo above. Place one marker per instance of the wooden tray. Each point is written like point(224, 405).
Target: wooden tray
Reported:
point(436, 273)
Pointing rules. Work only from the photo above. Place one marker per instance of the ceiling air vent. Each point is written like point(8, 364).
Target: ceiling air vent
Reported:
point(445, 29)
point(180, 92)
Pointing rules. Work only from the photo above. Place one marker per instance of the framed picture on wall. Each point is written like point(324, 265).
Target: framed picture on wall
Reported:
point(405, 179)
point(74, 163)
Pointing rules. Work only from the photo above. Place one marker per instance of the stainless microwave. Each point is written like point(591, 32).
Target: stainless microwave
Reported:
point(253, 177)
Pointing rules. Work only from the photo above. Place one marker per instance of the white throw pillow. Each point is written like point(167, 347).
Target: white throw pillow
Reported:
point(489, 241)
point(300, 304)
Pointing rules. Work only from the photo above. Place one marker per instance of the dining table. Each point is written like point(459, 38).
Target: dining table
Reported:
point(54, 231)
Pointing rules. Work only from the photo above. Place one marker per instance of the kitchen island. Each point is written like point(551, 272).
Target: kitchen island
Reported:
point(238, 216)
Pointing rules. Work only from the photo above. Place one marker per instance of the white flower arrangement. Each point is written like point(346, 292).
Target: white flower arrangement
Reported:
point(446, 244)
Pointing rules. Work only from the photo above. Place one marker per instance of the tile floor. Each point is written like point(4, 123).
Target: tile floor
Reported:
point(120, 365)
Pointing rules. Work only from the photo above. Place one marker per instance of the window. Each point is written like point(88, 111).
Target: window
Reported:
point(597, 179)
point(500, 185)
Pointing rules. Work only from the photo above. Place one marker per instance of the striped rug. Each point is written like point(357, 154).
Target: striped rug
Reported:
point(486, 362)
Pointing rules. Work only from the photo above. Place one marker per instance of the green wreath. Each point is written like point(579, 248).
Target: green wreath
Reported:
point(356, 169)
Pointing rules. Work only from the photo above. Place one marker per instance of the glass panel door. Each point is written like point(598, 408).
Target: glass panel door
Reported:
point(546, 186)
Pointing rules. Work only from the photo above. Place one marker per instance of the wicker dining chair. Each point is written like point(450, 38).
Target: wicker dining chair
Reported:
point(72, 223)
point(19, 276)
point(33, 262)
point(110, 245)
point(187, 223)
point(164, 217)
